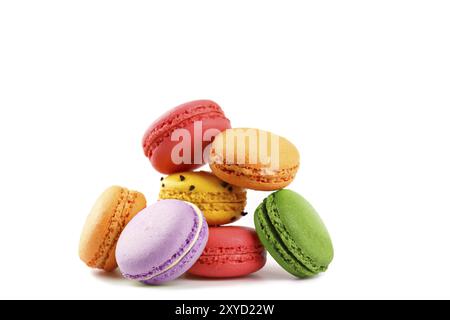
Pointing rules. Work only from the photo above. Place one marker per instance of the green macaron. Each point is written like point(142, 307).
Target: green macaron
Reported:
point(293, 233)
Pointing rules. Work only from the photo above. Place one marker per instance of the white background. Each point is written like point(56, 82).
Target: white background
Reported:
point(362, 87)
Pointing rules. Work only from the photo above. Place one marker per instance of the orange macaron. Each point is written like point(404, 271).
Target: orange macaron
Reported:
point(112, 211)
point(254, 159)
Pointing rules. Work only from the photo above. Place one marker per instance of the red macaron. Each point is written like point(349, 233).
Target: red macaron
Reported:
point(176, 142)
point(230, 252)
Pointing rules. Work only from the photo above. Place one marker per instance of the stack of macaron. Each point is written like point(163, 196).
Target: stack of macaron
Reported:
point(187, 229)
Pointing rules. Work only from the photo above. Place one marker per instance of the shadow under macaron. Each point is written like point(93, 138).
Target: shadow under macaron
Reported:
point(267, 274)
point(114, 277)
point(274, 273)
point(189, 281)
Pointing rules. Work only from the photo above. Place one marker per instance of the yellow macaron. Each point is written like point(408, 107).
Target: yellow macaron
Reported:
point(112, 211)
point(220, 202)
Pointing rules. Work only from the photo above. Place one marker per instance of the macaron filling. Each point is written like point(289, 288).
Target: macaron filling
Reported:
point(264, 175)
point(199, 197)
point(178, 256)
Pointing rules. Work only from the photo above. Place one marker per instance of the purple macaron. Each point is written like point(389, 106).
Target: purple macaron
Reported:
point(162, 242)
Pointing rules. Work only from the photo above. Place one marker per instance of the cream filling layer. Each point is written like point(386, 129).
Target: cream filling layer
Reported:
point(189, 248)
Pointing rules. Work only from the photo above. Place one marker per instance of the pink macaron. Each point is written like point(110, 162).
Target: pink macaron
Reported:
point(177, 141)
point(230, 252)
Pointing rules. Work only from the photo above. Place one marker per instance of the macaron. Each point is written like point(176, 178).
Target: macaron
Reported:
point(162, 242)
point(254, 159)
point(112, 211)
point(294, 234)
point(220, 202)
point(177, 140)
point(230, 252)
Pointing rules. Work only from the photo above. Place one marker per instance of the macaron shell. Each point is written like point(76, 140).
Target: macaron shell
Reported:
point(110, 214)
point(230, 252)
point(220, 202)
point(156, 244)
point(256, 169)
point(158, 144)
point(256, 145)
